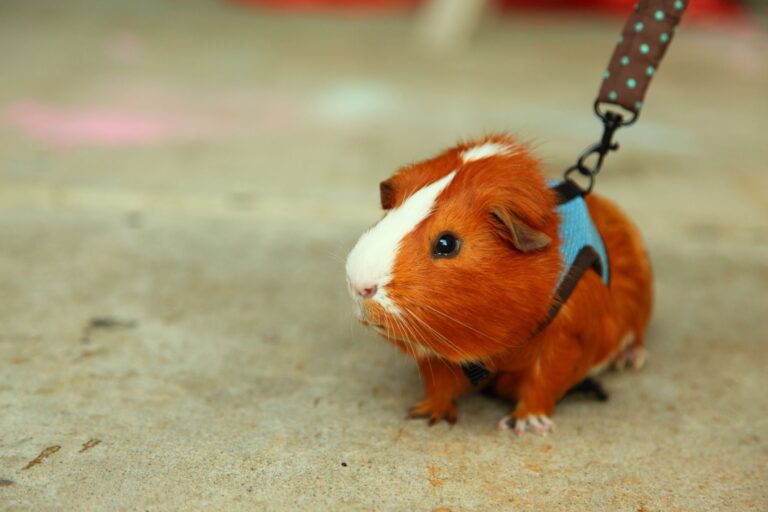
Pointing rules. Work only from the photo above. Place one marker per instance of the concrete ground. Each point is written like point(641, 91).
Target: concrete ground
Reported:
point(180, 183)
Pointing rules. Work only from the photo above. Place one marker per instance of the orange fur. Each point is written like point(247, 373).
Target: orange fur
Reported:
point(485, 304)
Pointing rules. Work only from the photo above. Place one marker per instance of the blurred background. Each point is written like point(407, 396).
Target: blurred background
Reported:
point(180, 183)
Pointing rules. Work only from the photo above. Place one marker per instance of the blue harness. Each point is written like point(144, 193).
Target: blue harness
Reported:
point(577, 231)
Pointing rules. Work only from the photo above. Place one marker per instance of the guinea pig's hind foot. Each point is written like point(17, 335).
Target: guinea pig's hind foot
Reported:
point(631, 357)
point(591, 387)
point(433, 411)
point(535, 424)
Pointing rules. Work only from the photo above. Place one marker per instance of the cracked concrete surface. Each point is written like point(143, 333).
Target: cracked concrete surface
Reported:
point(179, 185)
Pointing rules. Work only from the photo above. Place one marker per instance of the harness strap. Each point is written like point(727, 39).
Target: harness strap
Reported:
point(586, 259)
point(567, 190)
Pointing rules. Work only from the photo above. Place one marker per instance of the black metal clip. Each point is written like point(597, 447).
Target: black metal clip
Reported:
point(612, 121)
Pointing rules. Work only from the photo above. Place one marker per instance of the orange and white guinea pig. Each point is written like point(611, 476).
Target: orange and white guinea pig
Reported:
point(492, 277)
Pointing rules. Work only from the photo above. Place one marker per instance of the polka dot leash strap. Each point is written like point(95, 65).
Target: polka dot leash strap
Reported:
point(642, 45)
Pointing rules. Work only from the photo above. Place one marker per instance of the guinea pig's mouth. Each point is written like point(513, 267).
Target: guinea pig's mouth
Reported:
point(378, 327)
point(370, 315)
point(365, 315)
point(414, 348)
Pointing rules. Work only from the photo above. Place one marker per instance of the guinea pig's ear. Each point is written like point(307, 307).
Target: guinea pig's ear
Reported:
point(387, 191)
point(518, 233)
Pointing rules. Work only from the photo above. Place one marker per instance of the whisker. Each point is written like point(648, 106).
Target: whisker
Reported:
point(429, 344)
point(420, 339)
point(419, 336)
point(339, 257)
point(448, 317)
point(412, 344)
point(411, 351)
point(440, 336)
point(412, 330)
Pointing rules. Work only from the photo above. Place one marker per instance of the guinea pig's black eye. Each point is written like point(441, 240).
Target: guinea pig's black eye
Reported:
point(446, 246)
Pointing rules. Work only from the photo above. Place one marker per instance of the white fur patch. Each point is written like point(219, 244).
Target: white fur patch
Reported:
point(486, 150)
point(371, 260)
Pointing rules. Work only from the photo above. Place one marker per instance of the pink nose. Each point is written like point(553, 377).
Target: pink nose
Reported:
point(367, 292)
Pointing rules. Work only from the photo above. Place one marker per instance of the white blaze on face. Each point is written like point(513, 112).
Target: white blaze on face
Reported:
point(371, 261)
point(486, 150)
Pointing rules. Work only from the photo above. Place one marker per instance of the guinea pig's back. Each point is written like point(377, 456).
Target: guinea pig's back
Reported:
point(631, 282)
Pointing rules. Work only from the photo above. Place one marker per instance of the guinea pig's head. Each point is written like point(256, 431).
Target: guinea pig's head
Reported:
point(464, 262)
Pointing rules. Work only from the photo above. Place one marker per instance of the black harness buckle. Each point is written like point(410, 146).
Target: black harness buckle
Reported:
point(475, 372)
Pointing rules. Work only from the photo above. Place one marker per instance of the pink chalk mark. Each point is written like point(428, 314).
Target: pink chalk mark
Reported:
point(102, 126)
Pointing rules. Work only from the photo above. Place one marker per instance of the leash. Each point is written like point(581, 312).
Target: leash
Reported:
point(642, 45)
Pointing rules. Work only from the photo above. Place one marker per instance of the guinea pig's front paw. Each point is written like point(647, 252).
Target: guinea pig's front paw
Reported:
point(434, 410)
point(535, 424)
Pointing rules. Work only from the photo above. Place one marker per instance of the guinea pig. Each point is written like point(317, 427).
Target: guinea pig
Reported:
point(480, 262)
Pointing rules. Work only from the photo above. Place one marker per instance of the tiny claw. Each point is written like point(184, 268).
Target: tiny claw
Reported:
point(536, 426)
point(415, 414)
point(433, 413)
point(506, 423)
point(539, 425)
point(633, 357)
point(638, 357)
point(548, 423)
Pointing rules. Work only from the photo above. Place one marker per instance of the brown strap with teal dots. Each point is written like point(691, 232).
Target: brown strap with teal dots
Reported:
point(641, 47)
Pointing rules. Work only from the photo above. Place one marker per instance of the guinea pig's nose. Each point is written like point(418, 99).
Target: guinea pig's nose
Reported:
point(367, 292)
